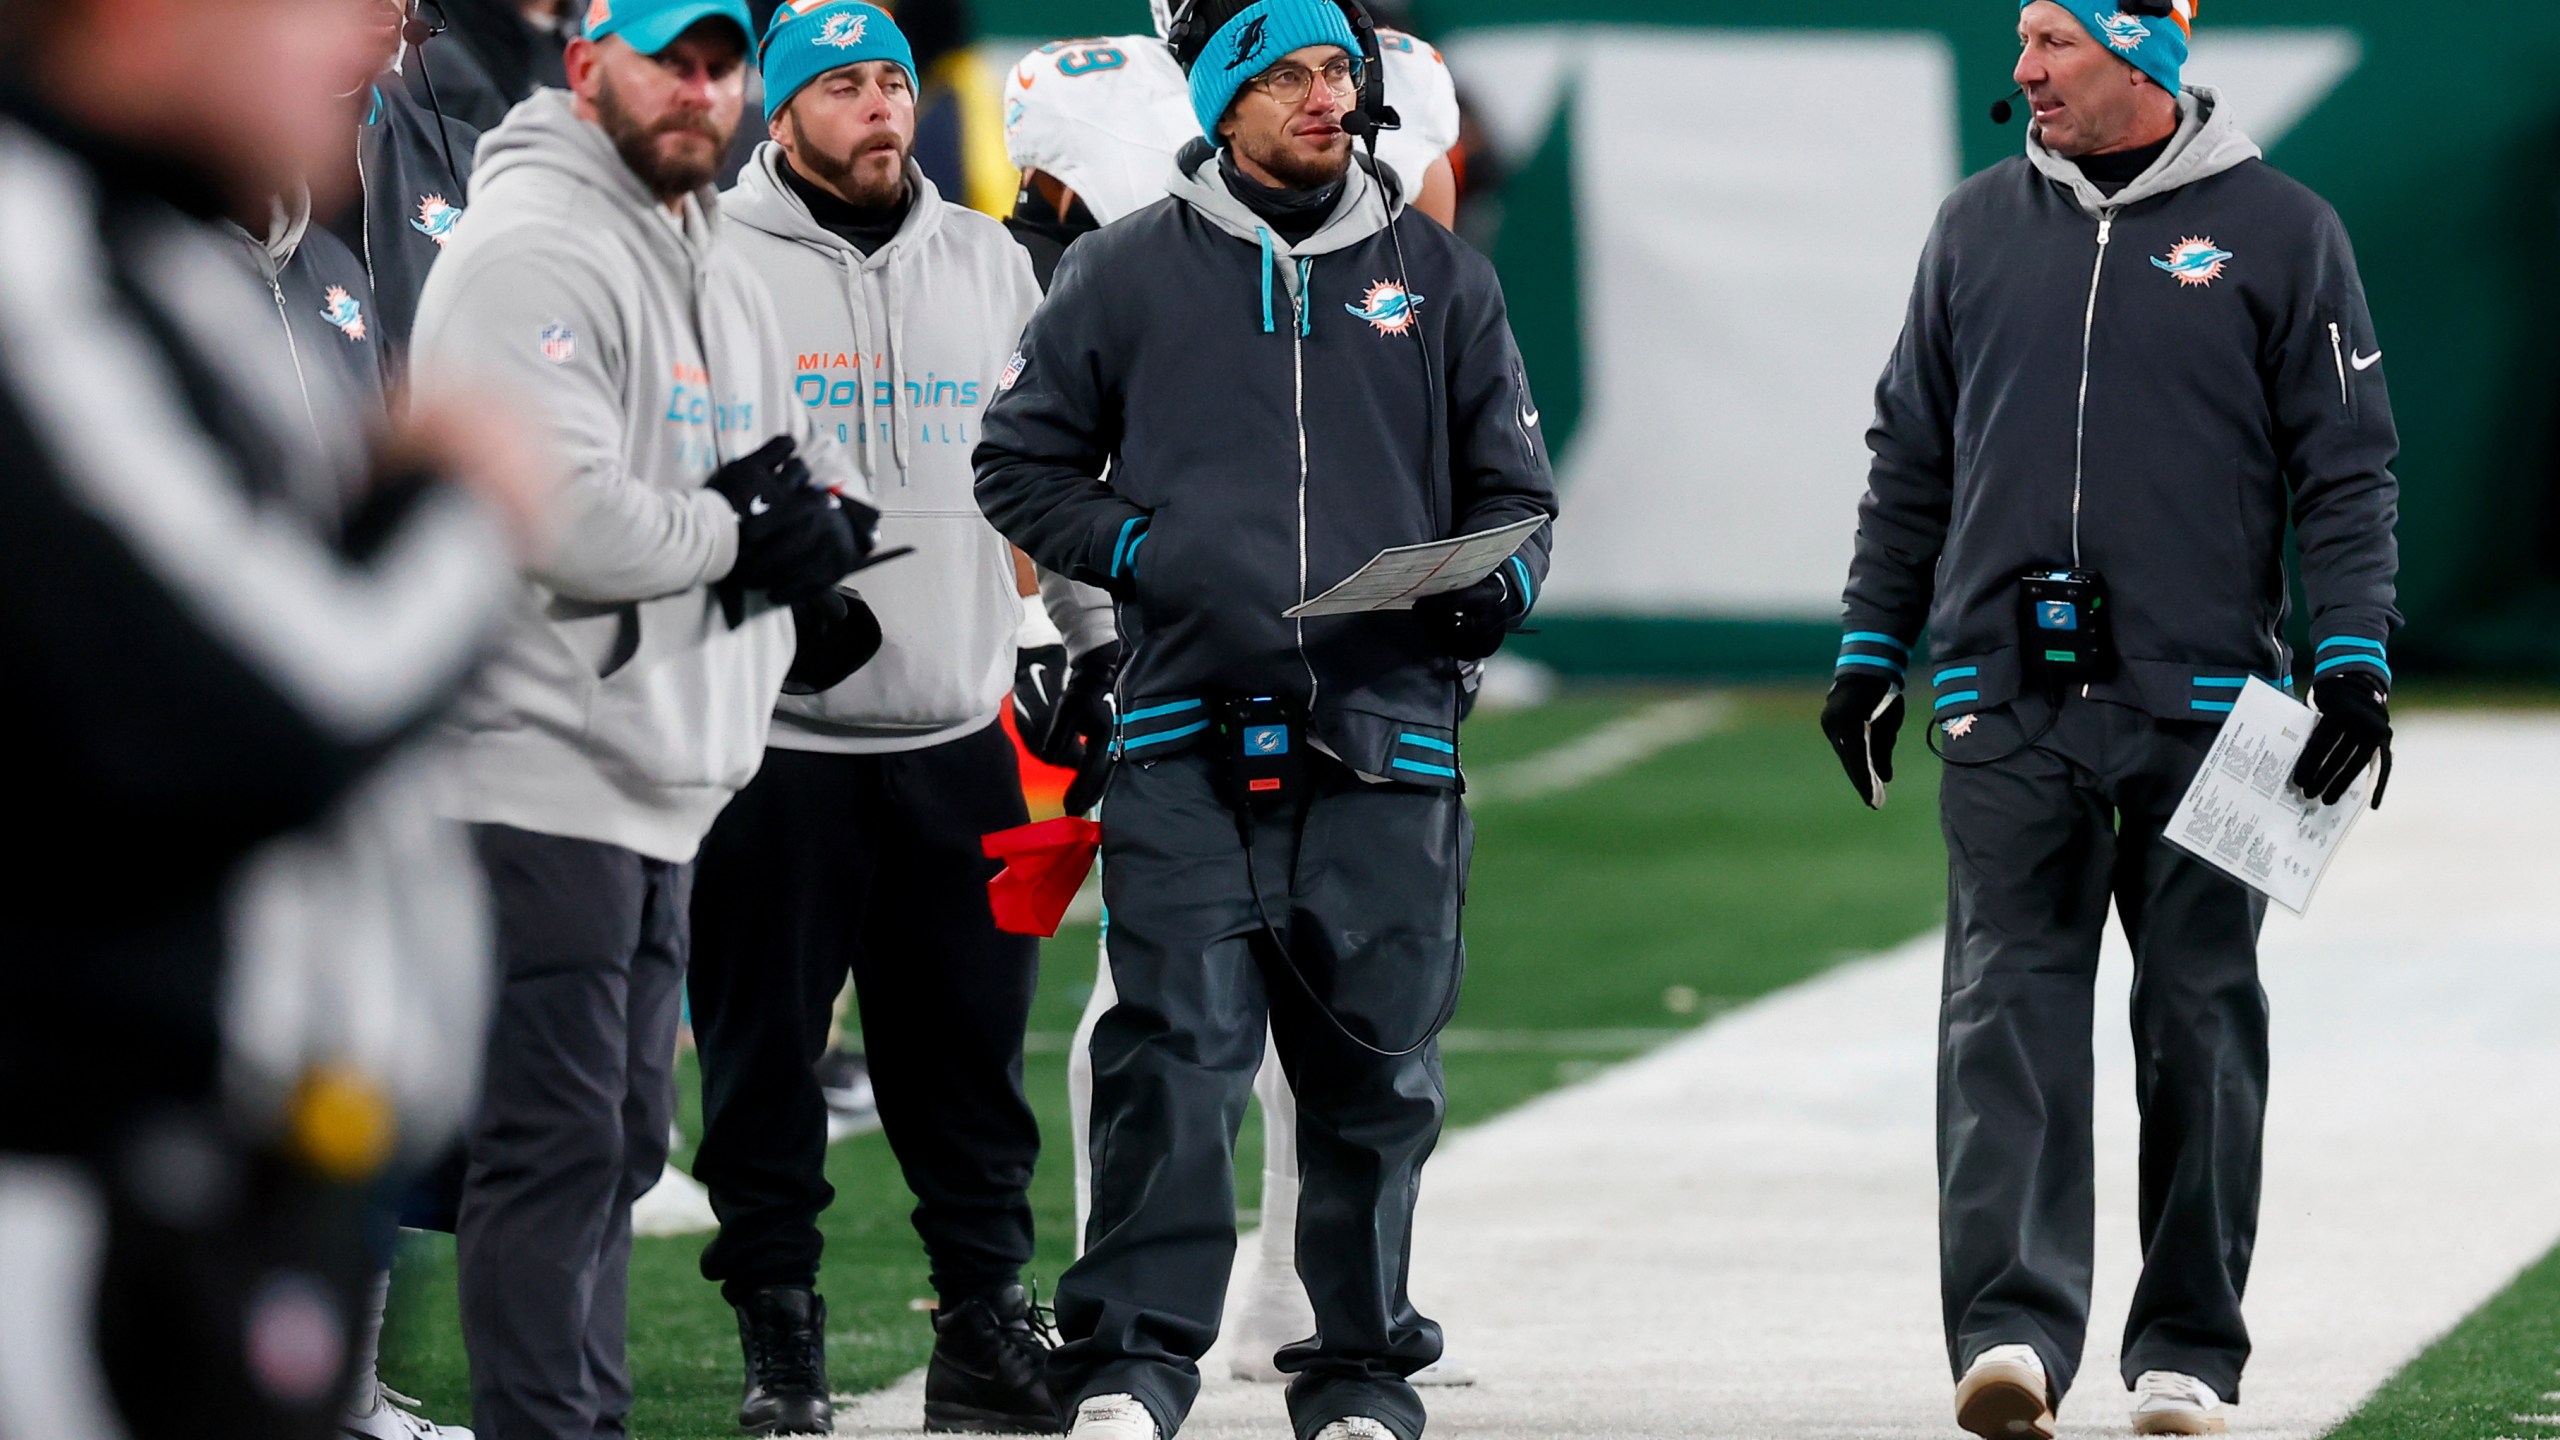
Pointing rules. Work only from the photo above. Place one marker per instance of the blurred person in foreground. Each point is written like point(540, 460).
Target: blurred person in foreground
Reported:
point(857, 849)
point(1221, 410)
point(1095, 126)
point(208, 1079)
point(2135, 354)
point(702, 526)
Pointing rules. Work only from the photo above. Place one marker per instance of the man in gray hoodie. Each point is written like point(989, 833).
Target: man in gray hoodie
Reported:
point(2134, 354)
point(590, 279)
point(858, 846)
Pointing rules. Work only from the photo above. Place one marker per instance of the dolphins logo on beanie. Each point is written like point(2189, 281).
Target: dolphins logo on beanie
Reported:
point(2152, 36)
point(1251, 41)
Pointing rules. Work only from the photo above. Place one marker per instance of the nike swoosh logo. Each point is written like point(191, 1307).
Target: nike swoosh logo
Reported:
point(758, 506)
point(2367, 362)
point(1025, 75)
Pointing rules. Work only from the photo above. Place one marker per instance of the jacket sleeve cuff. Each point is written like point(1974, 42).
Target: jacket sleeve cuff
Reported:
point(1119, 539)
point(2336, 653)
point(1873, 652)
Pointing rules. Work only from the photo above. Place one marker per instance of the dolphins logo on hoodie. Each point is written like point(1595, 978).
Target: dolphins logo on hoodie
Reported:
point(2194, 261)
point(344, 311)
point(436, 219)
point(1389, 307)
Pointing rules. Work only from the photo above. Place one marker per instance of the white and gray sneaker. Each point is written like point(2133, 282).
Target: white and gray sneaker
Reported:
point(2005, 1395)
point(1358, 1427)
point(394, 1417)
point(2168, 1403)
point(1113, 1417)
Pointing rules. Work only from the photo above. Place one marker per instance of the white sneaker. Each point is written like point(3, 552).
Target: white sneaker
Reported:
point(2168, 1403)
point(1113, 1417)
point(1277, 1314)
point(393, 1418)
point(2005, 1395)
point(1358, 1427)
point(677, 1205)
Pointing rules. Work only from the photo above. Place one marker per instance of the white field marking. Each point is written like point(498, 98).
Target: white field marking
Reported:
point(1618, 746)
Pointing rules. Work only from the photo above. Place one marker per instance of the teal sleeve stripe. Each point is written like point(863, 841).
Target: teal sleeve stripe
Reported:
point(1870, 637)
point(2353, 642)
point(2214, 705)
point(1875, 662)
point(1415, 765)
point(1144, 741)
point(1120, 552)
point(1528, 587)
point(2216, 682)
point(1957, 698)
point(1961, 672)
point(1427, 743)
point(1155, 711)
point(2325, 666)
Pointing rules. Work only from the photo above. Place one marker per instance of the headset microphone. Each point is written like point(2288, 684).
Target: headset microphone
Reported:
point(2001, 109)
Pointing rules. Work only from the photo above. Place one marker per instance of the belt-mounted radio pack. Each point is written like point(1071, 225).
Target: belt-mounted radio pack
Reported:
point(2063, 622)
point(1258, 753)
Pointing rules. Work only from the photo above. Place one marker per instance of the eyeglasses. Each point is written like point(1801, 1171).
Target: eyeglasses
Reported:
point(1289, 82)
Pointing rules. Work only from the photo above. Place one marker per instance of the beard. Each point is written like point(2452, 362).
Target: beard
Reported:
point(845, 174)
point(1292, 169)
point(668, 178)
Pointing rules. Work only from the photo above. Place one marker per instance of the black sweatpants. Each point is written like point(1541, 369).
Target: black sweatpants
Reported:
point(2037, 845)
point(572, 1127)
point(868, 864)
point(1363, 883)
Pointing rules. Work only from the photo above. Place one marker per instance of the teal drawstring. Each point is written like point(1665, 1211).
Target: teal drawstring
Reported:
point(1267, 327)
point(1306, 300)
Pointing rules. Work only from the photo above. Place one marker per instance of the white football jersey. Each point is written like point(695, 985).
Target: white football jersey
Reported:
point(1107, 116)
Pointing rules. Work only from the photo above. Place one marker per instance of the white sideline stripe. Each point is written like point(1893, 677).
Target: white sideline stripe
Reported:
point(1618, 746)
point(1735, 1235)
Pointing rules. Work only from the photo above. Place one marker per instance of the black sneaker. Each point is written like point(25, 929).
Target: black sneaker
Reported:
point(783, 1329)
point(990, 1370)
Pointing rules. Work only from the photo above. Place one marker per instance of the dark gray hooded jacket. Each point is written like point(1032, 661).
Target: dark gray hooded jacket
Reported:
point(2146, 386)
point(1271, 416)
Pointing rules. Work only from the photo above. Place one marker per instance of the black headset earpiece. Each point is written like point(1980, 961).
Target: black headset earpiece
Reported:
point(1374, 113)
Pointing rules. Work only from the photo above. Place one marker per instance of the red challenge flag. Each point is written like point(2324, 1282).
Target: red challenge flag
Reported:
point(1044, 865)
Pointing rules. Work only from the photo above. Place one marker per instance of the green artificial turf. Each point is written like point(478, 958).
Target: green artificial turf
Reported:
point(1600, 921)
point(2501, 1364)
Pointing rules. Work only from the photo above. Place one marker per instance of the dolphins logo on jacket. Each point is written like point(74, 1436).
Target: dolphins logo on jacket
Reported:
point(344, 311)
point(843, 31)
point(2194, 261)
point(1389, 307)
point(2123, 31)
point(436, 219)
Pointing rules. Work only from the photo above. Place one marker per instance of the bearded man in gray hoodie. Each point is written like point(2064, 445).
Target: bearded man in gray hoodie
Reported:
point(857, 849)
point(700, 527)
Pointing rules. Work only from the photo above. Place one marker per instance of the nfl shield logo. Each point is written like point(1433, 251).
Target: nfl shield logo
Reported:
point(559, 343)
point(1012, 372)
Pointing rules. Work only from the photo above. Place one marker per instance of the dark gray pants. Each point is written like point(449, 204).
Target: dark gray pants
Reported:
point(1362, 881)
point(572, 1128)
point(2037, 845)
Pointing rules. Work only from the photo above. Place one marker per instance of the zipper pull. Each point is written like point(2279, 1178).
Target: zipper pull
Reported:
point(2338, 350)
point(2106, 228)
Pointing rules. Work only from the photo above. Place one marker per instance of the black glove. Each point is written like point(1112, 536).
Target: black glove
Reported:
point(795, 540)
point(1039, 682)
point(1862, 717)
point(2355, 726)
point(1470, 623)
point(1079, 735)
point(838, 635)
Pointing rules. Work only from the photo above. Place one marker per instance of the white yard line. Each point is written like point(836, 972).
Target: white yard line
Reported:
point(1733, 1236)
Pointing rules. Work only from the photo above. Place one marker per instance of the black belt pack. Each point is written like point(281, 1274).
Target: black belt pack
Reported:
point(1259, 751)
point(2063, 626)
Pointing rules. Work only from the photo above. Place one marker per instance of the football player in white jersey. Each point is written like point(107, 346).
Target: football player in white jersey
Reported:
point(1094, 126)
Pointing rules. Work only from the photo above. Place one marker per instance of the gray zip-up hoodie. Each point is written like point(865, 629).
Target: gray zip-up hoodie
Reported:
point(626, 710)
point(2146, 385)
point(1271, 416)
point(896, 355)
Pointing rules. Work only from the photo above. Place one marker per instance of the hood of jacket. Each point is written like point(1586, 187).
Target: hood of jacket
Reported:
point(1368, 205)
point(544, 137)
point(2208, 141)
point(763, 201)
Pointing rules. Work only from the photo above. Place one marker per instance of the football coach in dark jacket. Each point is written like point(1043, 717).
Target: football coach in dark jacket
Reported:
point(1284, 371)
point(2133, 352)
